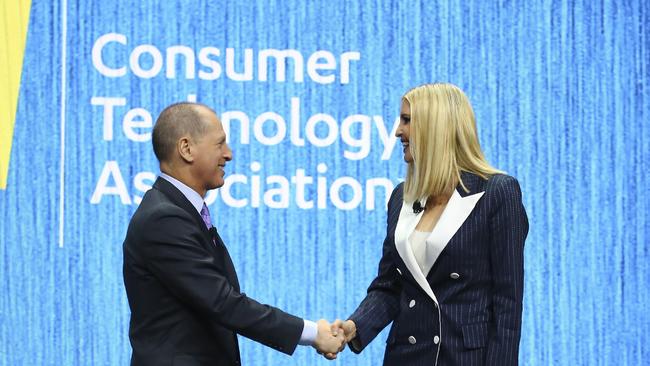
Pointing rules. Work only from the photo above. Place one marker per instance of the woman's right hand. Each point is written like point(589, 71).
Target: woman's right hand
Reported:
point(348, 327)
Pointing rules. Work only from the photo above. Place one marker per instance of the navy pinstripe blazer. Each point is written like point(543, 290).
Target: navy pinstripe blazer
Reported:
point(467, 309)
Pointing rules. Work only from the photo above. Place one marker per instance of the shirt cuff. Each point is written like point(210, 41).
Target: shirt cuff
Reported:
point(309, 333)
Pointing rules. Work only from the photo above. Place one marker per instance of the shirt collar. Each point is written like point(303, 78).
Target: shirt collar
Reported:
point(194, 197)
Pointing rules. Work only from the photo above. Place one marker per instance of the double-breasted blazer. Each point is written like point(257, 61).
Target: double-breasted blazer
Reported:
point(467, 309)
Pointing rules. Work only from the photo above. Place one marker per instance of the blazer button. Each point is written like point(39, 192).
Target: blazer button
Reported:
point(454, 276)
point(436, 340)
point(398, 271)
point(412, 340)
point(412, 303)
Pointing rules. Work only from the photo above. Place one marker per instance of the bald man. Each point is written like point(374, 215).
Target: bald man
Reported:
point(185, 300)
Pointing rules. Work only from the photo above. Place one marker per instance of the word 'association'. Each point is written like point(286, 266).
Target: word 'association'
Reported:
point(301, 190)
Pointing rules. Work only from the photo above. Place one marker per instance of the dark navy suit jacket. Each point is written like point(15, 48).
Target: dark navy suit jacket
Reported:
point(186, 305)
point(467, 309)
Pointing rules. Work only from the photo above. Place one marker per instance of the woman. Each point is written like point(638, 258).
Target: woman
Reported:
point(452, 271)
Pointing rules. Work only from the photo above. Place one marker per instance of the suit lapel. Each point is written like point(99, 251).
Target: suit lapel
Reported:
point(220, 252)
point(230, 267)
point(405, 225)
point(458, 209)
point(452, 218)
point(180, 200)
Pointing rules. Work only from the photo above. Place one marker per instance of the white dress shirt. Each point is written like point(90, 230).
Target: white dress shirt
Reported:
point(418, 240)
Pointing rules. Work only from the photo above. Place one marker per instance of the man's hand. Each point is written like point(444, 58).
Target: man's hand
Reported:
point(349, 331)
point(348, 328)
point(328, 342)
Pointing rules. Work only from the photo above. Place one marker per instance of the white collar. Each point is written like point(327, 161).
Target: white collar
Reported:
point(193, 196)
point(452, 218)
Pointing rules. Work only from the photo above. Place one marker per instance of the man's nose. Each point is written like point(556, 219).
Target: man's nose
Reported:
point(228, 153)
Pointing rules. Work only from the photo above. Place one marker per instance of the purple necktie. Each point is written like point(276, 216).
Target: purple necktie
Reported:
point(205, 215)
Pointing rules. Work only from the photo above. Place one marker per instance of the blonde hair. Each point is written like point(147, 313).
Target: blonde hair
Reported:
point(443, 141)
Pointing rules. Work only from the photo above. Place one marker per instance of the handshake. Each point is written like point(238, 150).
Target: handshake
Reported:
point(332, 338)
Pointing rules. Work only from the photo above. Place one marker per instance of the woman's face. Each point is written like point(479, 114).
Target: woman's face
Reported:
point(403, 129)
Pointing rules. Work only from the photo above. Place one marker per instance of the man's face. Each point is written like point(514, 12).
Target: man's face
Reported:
point(403, 130)
point(212, 153)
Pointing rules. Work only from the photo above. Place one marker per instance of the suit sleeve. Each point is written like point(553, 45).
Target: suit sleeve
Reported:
point(381, 304)
point(508, 231)
point(173, 252)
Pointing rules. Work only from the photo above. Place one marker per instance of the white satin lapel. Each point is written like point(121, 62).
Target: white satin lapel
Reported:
point(452, 218)
point(405, 225)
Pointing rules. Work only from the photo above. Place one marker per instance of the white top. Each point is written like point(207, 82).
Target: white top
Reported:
point(418, 240)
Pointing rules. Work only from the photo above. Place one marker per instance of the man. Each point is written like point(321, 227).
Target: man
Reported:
point(186, 305)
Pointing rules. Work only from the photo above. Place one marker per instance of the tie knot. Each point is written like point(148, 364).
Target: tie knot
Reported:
point(205, 215)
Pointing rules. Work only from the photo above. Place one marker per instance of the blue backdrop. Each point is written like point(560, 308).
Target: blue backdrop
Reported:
point(560, 90)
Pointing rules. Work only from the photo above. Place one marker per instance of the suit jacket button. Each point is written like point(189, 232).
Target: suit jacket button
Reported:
point(454, 276)
point(412, 340)
point(400, 272)
point(412, 303)
point(436, 340)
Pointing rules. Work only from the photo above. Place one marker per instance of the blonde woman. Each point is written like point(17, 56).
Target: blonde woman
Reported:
point(452, 271)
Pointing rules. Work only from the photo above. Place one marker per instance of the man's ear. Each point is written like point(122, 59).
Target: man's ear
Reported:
point(184, 147)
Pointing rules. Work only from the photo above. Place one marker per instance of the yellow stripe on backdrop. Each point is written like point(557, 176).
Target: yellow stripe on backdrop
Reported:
point(14, 19)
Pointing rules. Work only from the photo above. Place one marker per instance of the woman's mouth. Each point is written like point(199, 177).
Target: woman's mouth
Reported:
point(405, 145)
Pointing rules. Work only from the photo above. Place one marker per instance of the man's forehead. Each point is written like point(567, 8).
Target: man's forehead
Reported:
point(213, 120)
